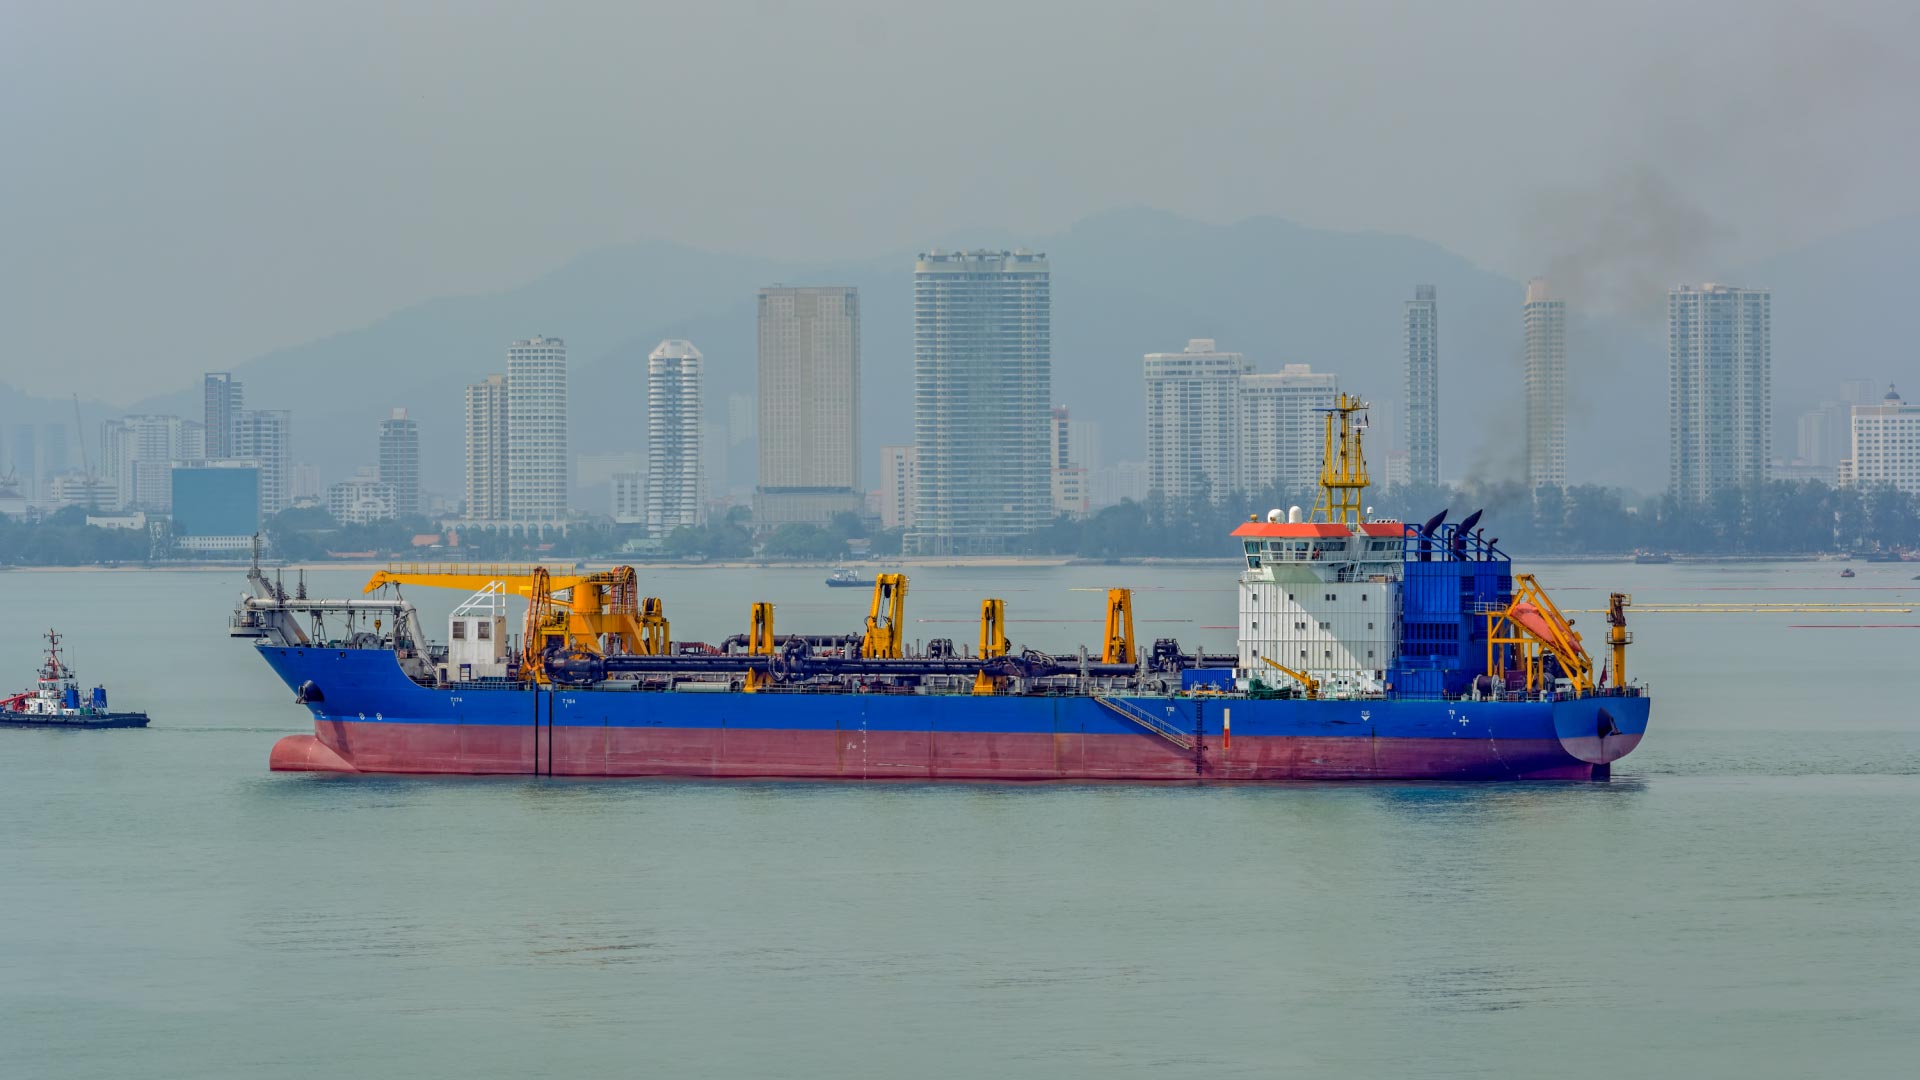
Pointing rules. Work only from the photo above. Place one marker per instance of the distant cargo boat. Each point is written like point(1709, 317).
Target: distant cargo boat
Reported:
point(847, 577)
point(1368, 649)
point(1651, 558)
point(56, 701)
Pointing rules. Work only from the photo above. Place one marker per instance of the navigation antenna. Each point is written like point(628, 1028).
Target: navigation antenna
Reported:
point(1343, 466)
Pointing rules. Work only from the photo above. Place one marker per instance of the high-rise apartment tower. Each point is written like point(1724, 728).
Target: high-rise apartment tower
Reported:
point(673, 437)
point(223, 406)
point(1719, 389)
point(487, 449)
point(1193, 420)
point(982, 389)
point(1421, 426)
point(400, 461)
point(809, 405)
point(538, 469)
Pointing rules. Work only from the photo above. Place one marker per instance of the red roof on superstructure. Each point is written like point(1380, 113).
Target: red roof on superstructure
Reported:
point(1301, 530)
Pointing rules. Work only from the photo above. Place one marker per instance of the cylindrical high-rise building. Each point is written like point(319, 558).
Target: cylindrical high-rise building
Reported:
point(673, 437)
point(1546, 326)
point(538, 473)
point(982, 398)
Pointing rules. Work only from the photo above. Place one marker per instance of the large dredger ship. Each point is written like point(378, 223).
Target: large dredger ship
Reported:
point(1369, 649)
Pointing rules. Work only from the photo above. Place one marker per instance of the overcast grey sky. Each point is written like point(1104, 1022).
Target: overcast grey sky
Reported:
point(188, 184)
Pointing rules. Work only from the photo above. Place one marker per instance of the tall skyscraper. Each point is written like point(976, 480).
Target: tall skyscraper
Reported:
point(983, 385)
point(487, 449)
point(899, 472)
point(265, 437)
point(1193, 420)
point(223, 407)
point(1283, 429)
point(400, 461)
point(809, 405)
point(537, 461)
point(1720, 388)
point(1546, 327)
point(1421, 428)
point(673, 437)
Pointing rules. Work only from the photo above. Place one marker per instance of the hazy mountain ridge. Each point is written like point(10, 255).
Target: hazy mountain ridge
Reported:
point(1125, 283)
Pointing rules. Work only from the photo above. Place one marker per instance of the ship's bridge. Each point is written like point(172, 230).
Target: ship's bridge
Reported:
point(1296, 550)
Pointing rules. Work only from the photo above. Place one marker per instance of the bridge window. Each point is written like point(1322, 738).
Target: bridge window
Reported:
point(459, 629)
point(484, 630)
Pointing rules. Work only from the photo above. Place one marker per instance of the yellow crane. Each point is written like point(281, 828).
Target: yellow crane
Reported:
point(885, 618)
point(760, 642)
point(1308, 682)
point(599, 612)
point(1119, 637)
point(993, 642)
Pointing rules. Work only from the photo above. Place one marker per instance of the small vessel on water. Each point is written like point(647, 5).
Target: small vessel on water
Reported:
point(55, 700)
point(846, 577)
point(1848, 572)
point(1651, 558)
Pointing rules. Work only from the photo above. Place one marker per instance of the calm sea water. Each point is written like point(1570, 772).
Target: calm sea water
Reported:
point(1739, 901)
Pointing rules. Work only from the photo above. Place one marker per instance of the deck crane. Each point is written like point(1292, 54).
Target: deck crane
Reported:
point(885, 617)
point(993, 643)
point(600, 612)
point(1119, 638)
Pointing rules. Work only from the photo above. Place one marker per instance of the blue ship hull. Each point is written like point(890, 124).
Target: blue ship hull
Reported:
point(369, 717)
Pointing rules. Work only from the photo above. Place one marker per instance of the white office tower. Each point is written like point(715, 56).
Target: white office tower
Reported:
point(1421, 418)
point(487, 449)
point(1546, 377)
point(673, 437)
point(1283, 429)
point(266, 439)
point(1193, 421)
point(809, 405)
point(899, 471)
point(983, 384)
point(400, 461)
point(1886, 445)
point(223, 406)
point(538, 465)
point(1720, 388)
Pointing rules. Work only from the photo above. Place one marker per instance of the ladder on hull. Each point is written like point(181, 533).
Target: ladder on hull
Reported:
point(1147, 720)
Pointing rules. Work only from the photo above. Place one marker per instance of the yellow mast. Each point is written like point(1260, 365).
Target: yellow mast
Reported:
point(1343, 466)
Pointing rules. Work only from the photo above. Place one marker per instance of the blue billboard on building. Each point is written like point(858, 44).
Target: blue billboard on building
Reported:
point(215, 500)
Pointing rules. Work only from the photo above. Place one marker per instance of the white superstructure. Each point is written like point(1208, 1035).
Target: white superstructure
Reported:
point(1321, 598)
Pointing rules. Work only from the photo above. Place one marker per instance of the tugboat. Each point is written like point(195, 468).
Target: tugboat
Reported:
point(846, 577)
point(55, 700)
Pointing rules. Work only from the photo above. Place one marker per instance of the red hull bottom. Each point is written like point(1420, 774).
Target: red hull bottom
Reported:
point(351, 747)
